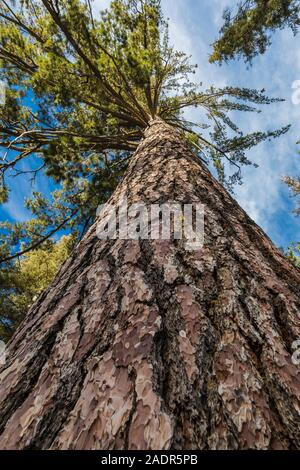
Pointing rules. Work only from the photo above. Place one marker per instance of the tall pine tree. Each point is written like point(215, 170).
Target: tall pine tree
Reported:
point(79, 107)
point(140, 343)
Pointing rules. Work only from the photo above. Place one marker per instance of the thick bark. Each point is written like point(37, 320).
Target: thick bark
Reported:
point(144, 345)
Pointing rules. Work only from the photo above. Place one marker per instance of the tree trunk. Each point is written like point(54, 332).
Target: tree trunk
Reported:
point(145, 345)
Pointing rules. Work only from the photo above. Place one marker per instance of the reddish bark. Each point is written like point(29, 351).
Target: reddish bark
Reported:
point(144, 345)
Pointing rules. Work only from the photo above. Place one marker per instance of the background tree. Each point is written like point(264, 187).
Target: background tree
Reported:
point(294, 254)
point(21, 284)
point(294, 250)
point(294, 185)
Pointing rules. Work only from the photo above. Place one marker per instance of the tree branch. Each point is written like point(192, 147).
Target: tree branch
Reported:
point(39, 242)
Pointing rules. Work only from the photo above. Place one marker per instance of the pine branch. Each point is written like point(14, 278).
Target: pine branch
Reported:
point(40, 241)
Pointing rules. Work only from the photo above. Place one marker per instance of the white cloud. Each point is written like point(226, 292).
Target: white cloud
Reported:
point(98, 5)
point(15, 209)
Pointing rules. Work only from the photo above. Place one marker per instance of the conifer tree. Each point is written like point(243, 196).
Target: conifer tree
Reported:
point(79, 94)
point(141, 343)
point(21, 283)
point(247, 31)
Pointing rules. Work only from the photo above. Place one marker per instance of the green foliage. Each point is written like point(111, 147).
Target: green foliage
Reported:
point(97, 83)
point(294, 185)
point(294, 254)
point(82, 91)
point(22, 282)
point(3, 194)
point(247, 33)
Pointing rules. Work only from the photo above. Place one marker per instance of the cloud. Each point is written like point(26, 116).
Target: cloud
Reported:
point(98, 5)
point(194, 25)
point(21, 188)
point(15, 210)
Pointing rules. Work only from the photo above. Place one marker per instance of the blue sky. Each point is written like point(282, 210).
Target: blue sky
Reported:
point(194, 25)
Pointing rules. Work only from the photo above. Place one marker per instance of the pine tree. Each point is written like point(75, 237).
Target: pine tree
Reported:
point(247, 32)
point(294, 185)
point(93, 86)
point(79, 94)
point(143, 344)
point(294, 254)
